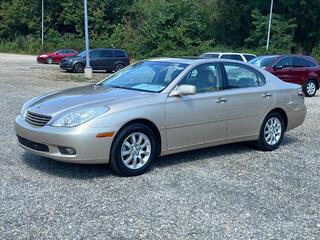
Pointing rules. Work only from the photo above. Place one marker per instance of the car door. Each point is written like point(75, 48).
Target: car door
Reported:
point(94, 59)
point(283, 69)
point(106, 59)
point(302, 69)
point(59, 55)
point(201, 118)
point(249, 97)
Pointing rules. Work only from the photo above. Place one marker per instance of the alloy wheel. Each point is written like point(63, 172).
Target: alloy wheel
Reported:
point(136, 150)
point(311, 88)
point(273, 131)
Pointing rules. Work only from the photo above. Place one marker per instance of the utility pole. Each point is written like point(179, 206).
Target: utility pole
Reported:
point(269, 27)
point(87, 69)
point(42, 22)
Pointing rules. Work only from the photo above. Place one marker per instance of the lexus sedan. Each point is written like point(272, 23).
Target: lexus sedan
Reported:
point(57, 56)
point(158, 107)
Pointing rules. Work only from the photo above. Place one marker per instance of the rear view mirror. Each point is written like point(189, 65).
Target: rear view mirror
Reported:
point(183, 90)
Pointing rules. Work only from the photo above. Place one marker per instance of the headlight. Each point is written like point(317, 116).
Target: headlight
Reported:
point(79, 116)
point(44, 56)
point(24, 110)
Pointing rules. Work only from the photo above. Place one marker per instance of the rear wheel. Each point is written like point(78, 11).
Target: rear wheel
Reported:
point(78, 68)
point(271, 132)
point(310, 88)
point(118, 66)
point(49, 60)
point(133, 150)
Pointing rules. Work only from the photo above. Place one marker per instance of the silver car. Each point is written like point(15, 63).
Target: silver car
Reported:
point(159, 107)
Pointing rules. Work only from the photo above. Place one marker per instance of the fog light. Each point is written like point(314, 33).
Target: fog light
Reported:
point(67, 150)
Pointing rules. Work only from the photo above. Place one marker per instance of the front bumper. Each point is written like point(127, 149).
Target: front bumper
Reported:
point(41, 60)
point(66, 65)
point(89, 149)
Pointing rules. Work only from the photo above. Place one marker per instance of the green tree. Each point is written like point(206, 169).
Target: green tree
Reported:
point(282, 33)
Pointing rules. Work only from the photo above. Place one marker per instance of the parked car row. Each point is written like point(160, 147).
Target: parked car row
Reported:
point(302, 70)
point(107, 59)
point(298, 69)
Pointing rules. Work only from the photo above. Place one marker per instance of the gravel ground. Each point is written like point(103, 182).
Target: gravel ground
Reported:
point(225, 192)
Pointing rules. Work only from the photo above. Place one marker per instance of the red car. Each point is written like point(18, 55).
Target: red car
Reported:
point(303, 70)
point(57, 56)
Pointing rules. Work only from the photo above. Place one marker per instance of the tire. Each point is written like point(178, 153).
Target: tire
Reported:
point(276, 132)
point(129, 159)
point(49, 60)
point(310, 88)
point(118, 67)
point(78, 68)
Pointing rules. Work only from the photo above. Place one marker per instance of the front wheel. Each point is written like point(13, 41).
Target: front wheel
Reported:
point(271, 132)
point(133, 150)
point(49, 60)
point(310, 88)
point(78, 68)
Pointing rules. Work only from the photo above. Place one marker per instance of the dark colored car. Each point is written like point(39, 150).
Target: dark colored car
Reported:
point(57, 56)
point(299, 69)
point(108, 59)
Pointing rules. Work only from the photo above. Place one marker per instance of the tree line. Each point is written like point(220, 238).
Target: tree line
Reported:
point(148, 28)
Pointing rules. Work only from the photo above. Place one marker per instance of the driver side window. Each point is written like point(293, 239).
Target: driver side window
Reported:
point(284, 63)
point(206, 78)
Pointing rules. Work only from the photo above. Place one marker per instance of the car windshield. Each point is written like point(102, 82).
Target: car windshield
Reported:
point(82, 54)
point(263, 61)
point(149, 76)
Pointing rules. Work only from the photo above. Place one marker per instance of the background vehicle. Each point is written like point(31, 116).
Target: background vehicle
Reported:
point(158, 107)
point(57, 56)
point(243, 57)
point(303, 70)
point(108, 59)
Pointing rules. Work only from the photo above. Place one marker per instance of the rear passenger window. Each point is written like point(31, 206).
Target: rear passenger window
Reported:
point(242, 77)
point(232, 56)
point(302, 62)
point(106, 53)
point(119, 53)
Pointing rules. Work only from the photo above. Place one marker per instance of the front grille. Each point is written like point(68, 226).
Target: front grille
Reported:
point(33, 145)
point(37, 119)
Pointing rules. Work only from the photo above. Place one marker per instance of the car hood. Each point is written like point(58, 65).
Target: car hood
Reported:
point(58, 102)
point(73, 58)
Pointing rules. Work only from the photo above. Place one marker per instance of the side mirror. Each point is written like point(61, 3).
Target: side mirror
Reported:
point(183, 90)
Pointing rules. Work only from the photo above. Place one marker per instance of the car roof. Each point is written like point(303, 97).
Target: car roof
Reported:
point(107, 49)
point(230, 53)
point(193, 60)
point(291, 55)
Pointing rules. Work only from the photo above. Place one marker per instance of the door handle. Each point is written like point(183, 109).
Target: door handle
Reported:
point(267, 95)
point(221, 100)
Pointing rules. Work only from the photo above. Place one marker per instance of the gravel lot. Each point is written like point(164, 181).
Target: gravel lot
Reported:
point(226, 192)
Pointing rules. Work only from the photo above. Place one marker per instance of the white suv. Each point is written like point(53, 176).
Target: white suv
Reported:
point(243, 57)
